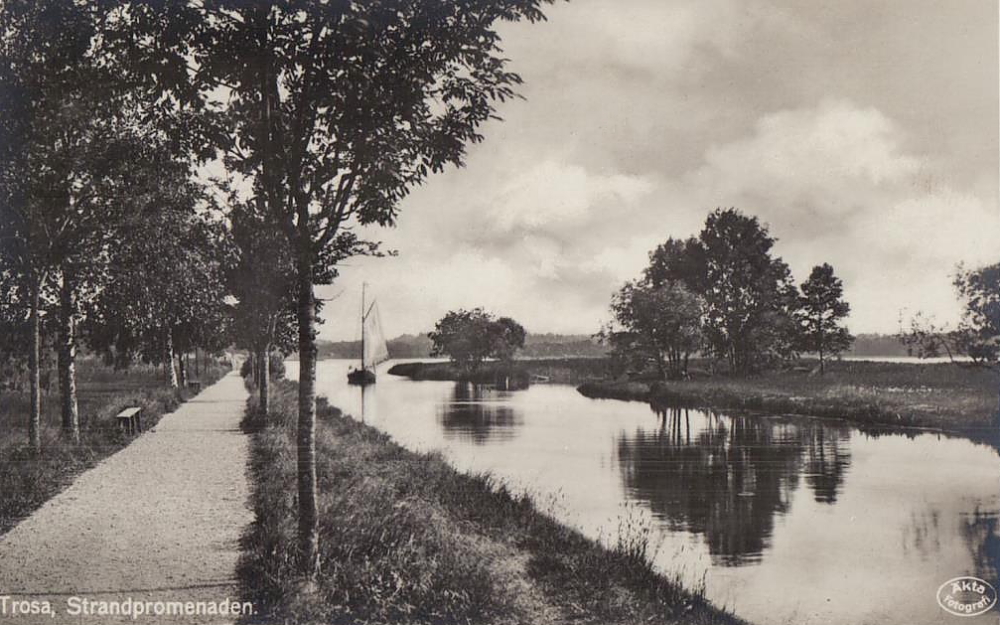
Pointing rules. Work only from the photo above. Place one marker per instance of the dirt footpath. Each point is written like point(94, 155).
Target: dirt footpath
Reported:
point(156, 524)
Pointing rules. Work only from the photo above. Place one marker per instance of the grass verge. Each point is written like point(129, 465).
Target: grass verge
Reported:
point(945, 397)
point(27, 481)
point(405, 538)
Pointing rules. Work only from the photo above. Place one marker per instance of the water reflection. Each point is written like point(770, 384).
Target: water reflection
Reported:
point(727, 482)
point(979, 530)
point(827, 460)
point(478, 414)
point(787, 520)
point(922, 534)
point(732, 477)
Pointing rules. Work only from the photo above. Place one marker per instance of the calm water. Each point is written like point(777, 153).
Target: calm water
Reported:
point(784, 520)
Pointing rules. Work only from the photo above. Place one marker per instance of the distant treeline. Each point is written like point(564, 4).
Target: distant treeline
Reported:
point(405, 346)
point(877, 345)
point(419, 346)
point(572, 346)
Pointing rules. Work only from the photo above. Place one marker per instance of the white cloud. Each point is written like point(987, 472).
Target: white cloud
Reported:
point(552, 193)
point(642, 116)
point(555, 240)
point(834, 185)
point(830, 159)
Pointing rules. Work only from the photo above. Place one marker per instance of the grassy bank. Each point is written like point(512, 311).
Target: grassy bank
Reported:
point(945, 397)
point(519, 373)
point(407, 539)
point(27, 481)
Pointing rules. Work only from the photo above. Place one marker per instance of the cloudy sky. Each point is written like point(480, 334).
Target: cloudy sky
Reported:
point(865, 134)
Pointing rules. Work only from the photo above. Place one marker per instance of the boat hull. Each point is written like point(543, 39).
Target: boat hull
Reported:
point(361, 377)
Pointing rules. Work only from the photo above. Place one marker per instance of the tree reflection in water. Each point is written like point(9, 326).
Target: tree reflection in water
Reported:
point(476, 413)
point(827, 459)
point(730, 478)
point(981, 533)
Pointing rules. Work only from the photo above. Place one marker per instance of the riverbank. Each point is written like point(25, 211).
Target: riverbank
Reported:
point(945, 397)
point(518, 374)
point(27, 481)
point(405, 538)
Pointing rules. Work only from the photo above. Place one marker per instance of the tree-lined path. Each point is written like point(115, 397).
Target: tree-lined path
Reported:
point(158, 521)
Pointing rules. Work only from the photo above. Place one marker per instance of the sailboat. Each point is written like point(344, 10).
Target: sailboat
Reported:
point(374, 350)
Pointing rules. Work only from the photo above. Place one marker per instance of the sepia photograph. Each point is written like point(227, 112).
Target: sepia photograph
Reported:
point(499, 312)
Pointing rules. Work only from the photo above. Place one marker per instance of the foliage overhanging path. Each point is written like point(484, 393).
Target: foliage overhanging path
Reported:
point(158, 521)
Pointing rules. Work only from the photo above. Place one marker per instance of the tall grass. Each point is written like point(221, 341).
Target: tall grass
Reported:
point(27, 481)
point(407, 539)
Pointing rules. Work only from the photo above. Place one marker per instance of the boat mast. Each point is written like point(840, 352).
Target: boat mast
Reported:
point(363, 326)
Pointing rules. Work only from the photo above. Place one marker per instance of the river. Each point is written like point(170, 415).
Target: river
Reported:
point(783, 520)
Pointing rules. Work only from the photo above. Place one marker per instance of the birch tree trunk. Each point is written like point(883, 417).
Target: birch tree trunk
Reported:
point(34, 376)
point(67, 358)
point(182, 369)
point(168, 358)
point(265, 380)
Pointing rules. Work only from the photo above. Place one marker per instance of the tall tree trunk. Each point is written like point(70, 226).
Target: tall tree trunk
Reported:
point(661, 368)
point(67, 358)
point(168, 358)
point(265, 380)
point(308, 529)
point(182, 369)
point(34, 353)
point(257, 368)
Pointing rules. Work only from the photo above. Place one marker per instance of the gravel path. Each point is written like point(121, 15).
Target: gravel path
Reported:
point(159, 521)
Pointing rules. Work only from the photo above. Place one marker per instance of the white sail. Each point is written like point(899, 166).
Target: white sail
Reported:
point(376, 350)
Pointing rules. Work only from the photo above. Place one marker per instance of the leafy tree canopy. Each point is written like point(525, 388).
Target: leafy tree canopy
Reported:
point(655, 324)
point(167, 289)
point(749, 294)
point(469, 337)
point(334, 110)
point(822, 309)
point(261, 276)
point(977, 335)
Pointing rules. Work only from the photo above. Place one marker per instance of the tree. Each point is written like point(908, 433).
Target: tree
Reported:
point(260, 277)
point(469, 337)
point(165, 293)
point(679, 261)
point(977, 335)
point(335, 111)
point(68, 146)
point(979, 330)
point(507, 336)
point(13, 328)
point(822, 308)
point(750, 298)
point(655, 324)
